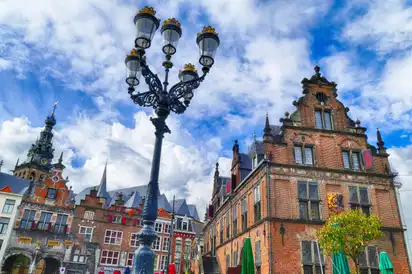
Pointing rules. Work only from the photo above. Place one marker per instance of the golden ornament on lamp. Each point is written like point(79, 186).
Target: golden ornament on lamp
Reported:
point(147, 10)
point(207, 29)
point(173, 21)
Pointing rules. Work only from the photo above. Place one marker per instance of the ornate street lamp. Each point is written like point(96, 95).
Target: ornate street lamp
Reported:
point(163, 101)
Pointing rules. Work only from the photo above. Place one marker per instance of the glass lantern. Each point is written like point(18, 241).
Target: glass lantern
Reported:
point(133, 69)
point(208, 42)
point(146, 26)
point(171, 31)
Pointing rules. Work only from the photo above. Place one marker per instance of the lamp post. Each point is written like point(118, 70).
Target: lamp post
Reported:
point(163, 101)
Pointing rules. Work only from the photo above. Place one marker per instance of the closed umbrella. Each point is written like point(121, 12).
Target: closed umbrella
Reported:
point(248, 265)
point(385, 264)
point(340, 263)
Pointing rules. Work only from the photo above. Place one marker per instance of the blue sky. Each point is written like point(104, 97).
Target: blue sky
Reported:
point(74, 53)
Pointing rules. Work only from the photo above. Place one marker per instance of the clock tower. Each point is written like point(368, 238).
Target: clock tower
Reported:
point(39, 158)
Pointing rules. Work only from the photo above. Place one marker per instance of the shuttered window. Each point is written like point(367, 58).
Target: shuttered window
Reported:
point(346, 162)
point(318, 119)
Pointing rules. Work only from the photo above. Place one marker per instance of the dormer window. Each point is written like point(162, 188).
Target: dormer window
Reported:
point(323, 119)
point(257, 159)
point(51, 193)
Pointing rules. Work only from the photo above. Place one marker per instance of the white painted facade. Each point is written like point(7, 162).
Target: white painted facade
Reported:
point(7, 214)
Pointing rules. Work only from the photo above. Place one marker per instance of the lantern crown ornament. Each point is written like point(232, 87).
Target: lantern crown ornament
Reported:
point(173, 21)
point(208, 29)
point(147, 10)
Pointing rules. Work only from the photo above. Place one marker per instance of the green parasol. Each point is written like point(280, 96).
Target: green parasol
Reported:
point(340, 263)
point(385, 264)
point(248, 265)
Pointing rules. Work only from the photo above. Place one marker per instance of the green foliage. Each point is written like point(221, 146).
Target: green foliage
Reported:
point(349, 232)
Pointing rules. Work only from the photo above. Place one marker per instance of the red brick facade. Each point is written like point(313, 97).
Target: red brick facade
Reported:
point(319, 151)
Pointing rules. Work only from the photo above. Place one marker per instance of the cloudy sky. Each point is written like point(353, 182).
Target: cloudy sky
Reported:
point(73, 52)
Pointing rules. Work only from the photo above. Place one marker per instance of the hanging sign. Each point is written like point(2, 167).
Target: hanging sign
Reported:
point(24, 240)
point(53, 243)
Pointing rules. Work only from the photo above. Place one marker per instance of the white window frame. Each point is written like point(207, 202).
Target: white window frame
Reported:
point(111, 258)
point(158, 242)
point(8, 206)
point(88, 215)
point(117, 219)
point(110, 237)
point(165, 243)
point(128, 259)
point(163, 260)
point(86, 228)
point(166, 228)
point(158, 227)
point(135, 240)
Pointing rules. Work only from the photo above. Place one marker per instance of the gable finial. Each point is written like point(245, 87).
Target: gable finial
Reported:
point(267, 131)
point(380, 143)
point(317, 70)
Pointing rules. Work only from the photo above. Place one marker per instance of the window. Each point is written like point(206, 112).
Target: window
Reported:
point(130, 259)
point(308, 201)
point(227, 227)
point(188, 245)
point(221, 230)
point(44, 221)
point(234, 258)
point(88, 215)
point(177, 265)
point(109, 257)
point(185, 224)
point(303, 155)
point(256, 205)
point(167, 228)
point(117, 219)
point(158, 227)
point(178, 224)
point(257, 159)
point(87, 232)
point(77, 257)
point(310, 258)
point(113, 237)
point(28, 219)
point(163, 263)
point(166, 242)
point(258, 254)
point(134, 240)
point(369, 261)
point(321, 97)
point(156, 259)
point(156, 243)
point(359, 199)
point(4, 224)
point(51, 193)
point(234, 219)
point(351, 159)
point(60, 225)
point(323, 119)
point(8, 206)
point(227, 262)
point(178, 247)
point(244, 214)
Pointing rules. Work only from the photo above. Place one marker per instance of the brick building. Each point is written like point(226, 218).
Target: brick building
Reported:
point(41, 236)
point(278, 192)
point(106, 223)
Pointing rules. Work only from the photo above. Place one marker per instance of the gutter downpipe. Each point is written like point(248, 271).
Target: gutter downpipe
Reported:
point(269, 214)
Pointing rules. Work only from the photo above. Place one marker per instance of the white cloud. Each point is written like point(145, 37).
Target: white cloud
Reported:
point(385, 27)
point(186, 166)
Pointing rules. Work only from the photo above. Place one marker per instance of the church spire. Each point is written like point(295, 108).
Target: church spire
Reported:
point(41, 152)
point(59, 164)
point(102, 191)
point(380, 143)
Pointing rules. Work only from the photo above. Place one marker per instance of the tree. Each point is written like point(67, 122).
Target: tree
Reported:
point(349, 232)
